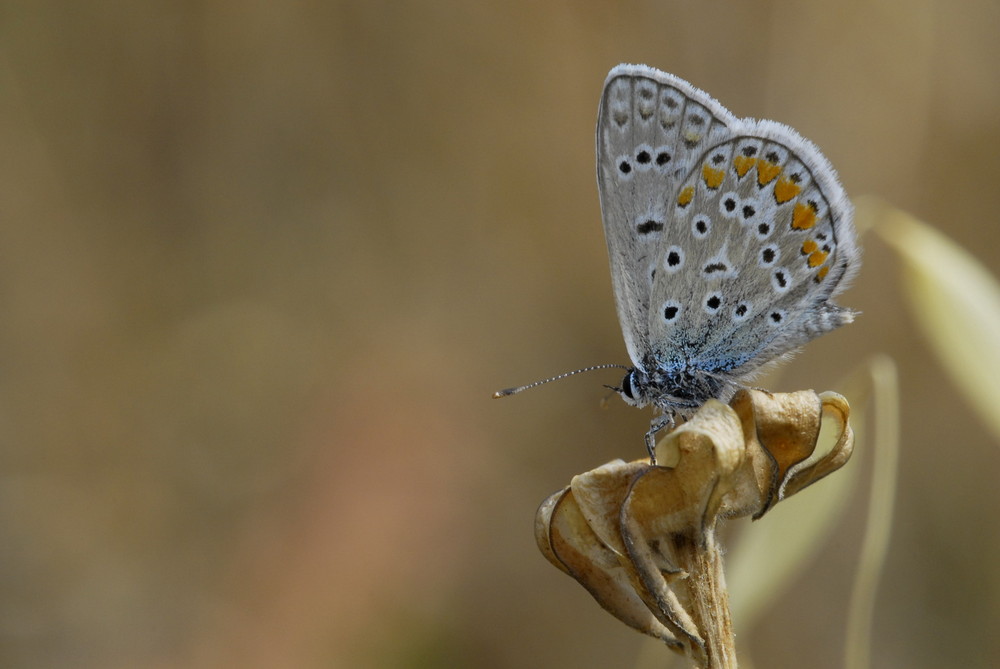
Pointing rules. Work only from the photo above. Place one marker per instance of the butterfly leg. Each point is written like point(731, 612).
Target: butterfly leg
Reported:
point(659, 423)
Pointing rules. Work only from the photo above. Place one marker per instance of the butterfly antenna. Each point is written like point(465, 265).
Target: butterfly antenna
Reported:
point(513, 391)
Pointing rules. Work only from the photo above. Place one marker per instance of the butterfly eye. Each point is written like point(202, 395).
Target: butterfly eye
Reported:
point(627, 389)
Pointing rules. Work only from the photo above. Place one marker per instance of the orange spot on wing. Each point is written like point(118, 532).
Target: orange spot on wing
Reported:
point(822, 273)
point(785, 190)
point(743, 164)
point(808, 246)
point(804, 216)
point(712, 176)
point(817, 258)
point(684, 199)
point(766, 172)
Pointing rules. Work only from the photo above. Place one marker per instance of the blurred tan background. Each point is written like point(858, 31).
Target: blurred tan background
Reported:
point(262, 265)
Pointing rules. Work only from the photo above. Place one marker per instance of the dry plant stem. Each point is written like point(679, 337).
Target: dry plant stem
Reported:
point(709, 605)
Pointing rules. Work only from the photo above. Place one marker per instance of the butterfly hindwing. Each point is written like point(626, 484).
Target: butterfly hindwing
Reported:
point(759, 246)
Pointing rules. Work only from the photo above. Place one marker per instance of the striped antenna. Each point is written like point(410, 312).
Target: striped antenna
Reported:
point(506, 392)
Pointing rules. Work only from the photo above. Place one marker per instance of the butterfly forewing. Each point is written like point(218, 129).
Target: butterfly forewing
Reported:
point(652, 130)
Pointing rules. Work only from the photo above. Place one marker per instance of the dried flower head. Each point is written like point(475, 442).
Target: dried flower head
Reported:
point(641, 537)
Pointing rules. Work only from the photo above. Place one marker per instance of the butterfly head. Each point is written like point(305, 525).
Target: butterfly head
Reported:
point(674, 391)
point(635, 388)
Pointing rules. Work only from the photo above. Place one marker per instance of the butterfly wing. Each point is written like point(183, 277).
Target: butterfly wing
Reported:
point(652, 132)
point(762, 239)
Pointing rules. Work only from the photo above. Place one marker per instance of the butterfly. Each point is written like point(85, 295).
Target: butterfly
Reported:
point(728, 239)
